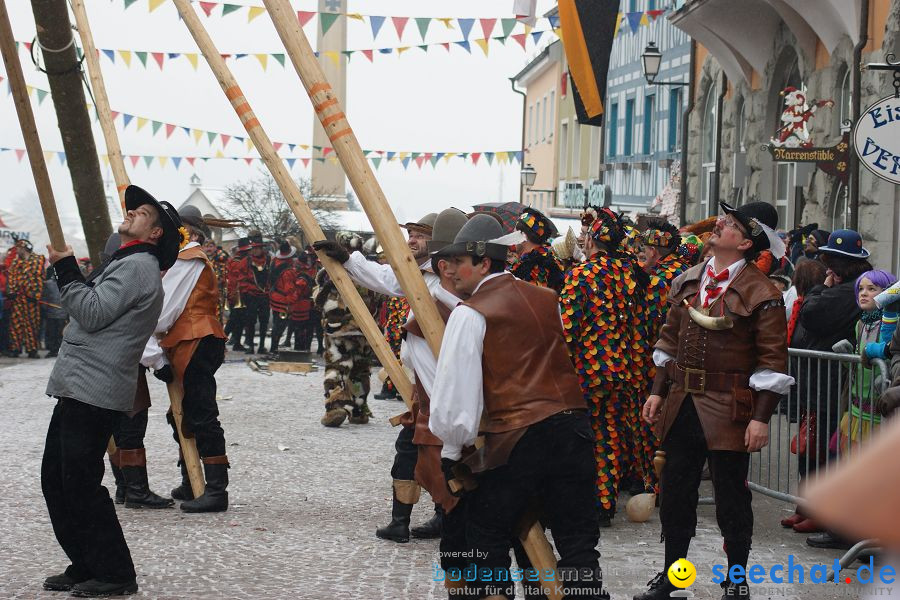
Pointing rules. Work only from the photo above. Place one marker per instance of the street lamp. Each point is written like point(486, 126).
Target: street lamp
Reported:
point(652, 60)
point(528, 177)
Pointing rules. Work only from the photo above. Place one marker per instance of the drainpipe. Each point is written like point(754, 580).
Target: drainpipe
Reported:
point(512, 83)
point(720, 106)
point(856, 110)
point(682, 206)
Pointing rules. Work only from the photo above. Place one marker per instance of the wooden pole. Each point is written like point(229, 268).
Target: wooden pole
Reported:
point(101, 100)
point(189, 452)
point(29, 131)
point(328, 108)
point(295, 200)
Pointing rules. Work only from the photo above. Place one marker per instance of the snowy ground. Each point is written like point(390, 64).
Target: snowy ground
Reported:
point(305, 502)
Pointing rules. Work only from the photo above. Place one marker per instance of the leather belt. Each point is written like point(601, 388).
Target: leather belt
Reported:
point(698, 381)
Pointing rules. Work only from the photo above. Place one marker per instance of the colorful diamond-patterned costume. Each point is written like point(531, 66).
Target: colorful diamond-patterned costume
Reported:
point(396, 311)
point(540, 267)
point(602, 304)
point(25, 286)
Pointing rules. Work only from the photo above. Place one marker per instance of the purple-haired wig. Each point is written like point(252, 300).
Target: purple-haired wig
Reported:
point(882, 279)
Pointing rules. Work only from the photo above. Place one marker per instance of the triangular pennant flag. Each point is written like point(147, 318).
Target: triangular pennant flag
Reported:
point(263, 60)
point(518, 156)
point(249, 160)
point(390, 155)
point(197, 133)
point(448, 22)
point(156, 125)
point(110, 54)
point(503, 157)
point(519, 37)
point(400, 25)
point(402, 49)
point(465, 45)
point(446, 46)
point(376, 23)
point(176, 160)
point(169, 129)
point(448, 156)
point(355, 16)
point(376, 162)
point(423, 47)
point(618, 24)
point(487, 26)
point(279, 57)
point(158, 57)
point(290, 162)
point(554, 21)
point(536, 36)
point(559, 33)
point(210, 136)
point(291, 147)
point(208, 7)
point(475, 157)
point(654, 14)
point(326, 151)
point(19, 154)
point(507, 25)
point(465, 26)
point(254, 12)
point(249, 144)
point(129, 3)
point(142, 56)
point(368, 54)
point(62, 157)
point(644, 19)
point(191, 160)
point(126, 119)
point(41, 94)
point(634, 20)
point(154, 4)
point(148, 160)
point(187, 130)
point(305, 162)
point(172, 55)
point(304, 17)
point(113, 114)
point(134, 160)
point(192, 58)
point(105, 159)
point(141, 122)
point(422, 23)
point(334, 55)
point(321, 160)
point(490, 157)
point(126, 56)
point(435, 159)
point(405, 162)
point(386, 50)
point(220, 154)
point(327, 20)
point(225, 139)
point(163, 160)
point(483, 44)
point(230, 8)
point(419, 161)
point(277, 145)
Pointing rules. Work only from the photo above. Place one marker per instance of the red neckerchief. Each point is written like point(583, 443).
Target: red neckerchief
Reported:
point(713, 289)
point(132, 243)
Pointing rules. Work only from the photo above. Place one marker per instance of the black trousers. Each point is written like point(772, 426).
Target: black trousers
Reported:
point(201, 412)
point(83, 517)
point(129, 432)
point(4, 331)
point(279, 324)
point(405, 456)
point(553, 463)
point(53, 329)
point(302, 332)
point(237, 319)
point(257, 311)
point(686, 451)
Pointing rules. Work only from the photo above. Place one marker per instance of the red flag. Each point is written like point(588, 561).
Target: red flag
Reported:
point(208, 7)
point(304, 17)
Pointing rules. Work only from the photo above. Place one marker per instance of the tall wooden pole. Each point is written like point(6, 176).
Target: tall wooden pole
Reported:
point(295, 199)
point(328, 108)
point(101, 101)
point(29, 130)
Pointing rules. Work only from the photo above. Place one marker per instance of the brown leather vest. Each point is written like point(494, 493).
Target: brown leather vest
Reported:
point(198, 319)
point(528, 375)
point(423, 435)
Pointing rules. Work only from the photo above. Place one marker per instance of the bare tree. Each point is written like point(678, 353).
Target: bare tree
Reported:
point(259, 203)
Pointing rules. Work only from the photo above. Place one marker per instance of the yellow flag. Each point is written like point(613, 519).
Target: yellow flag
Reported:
point(126, 56)
point(644, 19)
point(249, 144)
point(618, 24)
point(154, 4)
point(105, 160)
point(448, 23)
point(163, 160)
point(402, 49)
point(356, 16)
point(141, 122)
point(219, 154)
point(483, 44)
point(192, 58)
point(558, 32)
point(335, 57)
point(30, 90)
point(198, 133)
point(304, 146)
point(263, 60)
point(503, 156)
point(255, 11)
point(448, 156)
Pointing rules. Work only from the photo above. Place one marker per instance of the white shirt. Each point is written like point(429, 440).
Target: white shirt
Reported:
point(178, 283)
point(381, 278)
point(415, 351)
point(762, 379)
point(457, 399)
point(789, 297)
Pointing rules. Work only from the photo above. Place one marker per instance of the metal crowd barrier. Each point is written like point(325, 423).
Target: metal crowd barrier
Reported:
point(841, 393)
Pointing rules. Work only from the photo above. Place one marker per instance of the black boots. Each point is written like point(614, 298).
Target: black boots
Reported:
point(398, 529)
point(659, 588)
point(184, 491)
point(386, 393)
point(137, 489)
point(94, 588)
point(431, 528)
point(120, 479)
point(215, 498)
point(65, 580)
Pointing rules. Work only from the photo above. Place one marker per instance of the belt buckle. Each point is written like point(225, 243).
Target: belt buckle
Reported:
point(688, 375)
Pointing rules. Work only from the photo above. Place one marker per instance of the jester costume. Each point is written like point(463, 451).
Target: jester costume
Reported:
point(538, 264)
point(602, 304)
point(24, 289)
point(396, 311)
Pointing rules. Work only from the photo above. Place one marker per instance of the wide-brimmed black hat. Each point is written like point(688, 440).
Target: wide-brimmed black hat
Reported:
point(256, 240)
point(760, 220)
point(191, 215)
point(170, 242)
point(479, 237)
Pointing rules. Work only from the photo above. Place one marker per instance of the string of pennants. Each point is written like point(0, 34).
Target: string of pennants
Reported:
point(154, 127)
point(376, 158)
point(463, 24)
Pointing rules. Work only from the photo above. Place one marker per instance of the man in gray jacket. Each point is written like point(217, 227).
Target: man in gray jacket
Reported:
point(94, 381)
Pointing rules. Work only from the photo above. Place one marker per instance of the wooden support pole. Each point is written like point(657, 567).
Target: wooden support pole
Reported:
point(331, 114)
point(29, 130)
point(101, 100)
point(295, 200)
point(189, 452)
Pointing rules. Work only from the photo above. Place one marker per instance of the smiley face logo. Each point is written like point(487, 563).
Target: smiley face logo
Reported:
point(682, 573)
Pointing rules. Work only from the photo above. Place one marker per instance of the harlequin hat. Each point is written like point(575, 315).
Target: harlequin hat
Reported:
point(607, 228)
point(690, 248)
point(760, 220)
point(170, 242)
point(535, 222)
point(23, 243)
point(845, 242)
point(661, 233)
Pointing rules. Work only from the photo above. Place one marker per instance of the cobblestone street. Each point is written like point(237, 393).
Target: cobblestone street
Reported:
point(305, 502)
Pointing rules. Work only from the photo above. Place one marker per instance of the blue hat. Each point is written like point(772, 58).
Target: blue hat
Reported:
point(845, 242)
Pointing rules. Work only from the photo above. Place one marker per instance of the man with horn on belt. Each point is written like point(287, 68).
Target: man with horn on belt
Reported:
point(721, 365)
point(504, 370)
point(237, 310)
point(189, 346)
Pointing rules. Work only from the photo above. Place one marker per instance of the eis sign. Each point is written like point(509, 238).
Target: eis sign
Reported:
point(876, 138)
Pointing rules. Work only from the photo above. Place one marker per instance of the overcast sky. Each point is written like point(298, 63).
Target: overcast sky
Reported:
point(437, 101)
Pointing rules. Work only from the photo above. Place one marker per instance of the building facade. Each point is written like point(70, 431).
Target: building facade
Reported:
point(747, 53)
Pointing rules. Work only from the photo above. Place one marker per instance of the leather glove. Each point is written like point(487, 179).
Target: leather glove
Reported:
point(332, 250)
point(165, 374)
point(888, 402)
